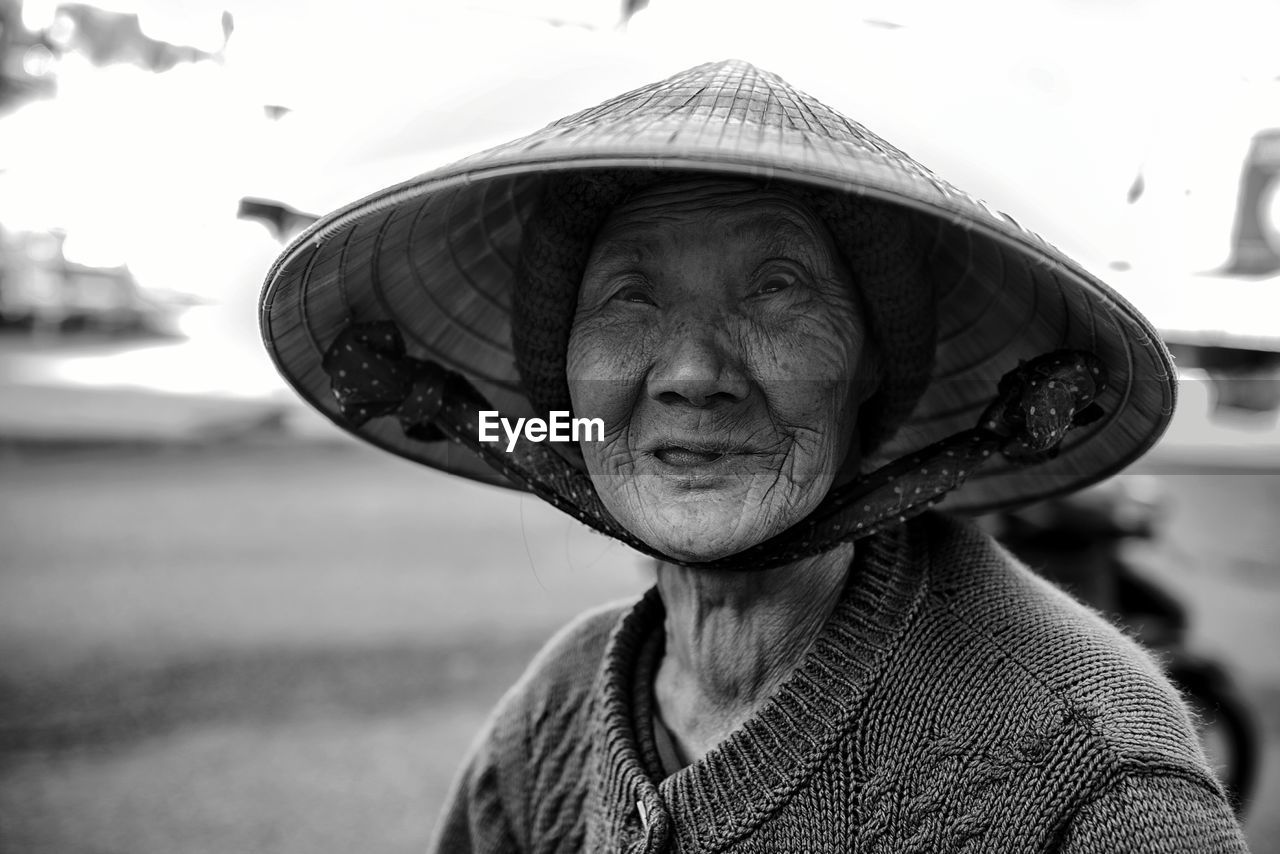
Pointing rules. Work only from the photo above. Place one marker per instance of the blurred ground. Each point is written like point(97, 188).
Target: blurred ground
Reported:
point(221, 638)
point(260, 646)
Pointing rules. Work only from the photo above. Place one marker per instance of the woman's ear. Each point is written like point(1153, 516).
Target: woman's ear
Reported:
point(870, 375)
point(864, 413)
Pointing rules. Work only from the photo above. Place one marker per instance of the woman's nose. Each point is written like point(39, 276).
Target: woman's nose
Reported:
point(695, 366)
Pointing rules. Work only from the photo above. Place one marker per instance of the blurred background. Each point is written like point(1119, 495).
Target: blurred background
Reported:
point(224, 626)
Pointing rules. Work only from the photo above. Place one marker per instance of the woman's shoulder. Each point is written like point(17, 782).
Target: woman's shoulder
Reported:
point(532, 752)
point(574, 654)
point(1024, 643)
point(559, 681)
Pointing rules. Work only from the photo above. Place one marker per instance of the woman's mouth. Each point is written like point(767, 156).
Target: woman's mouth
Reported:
point(687, 457)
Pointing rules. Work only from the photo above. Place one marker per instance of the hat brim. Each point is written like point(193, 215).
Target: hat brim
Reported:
point(438, 255)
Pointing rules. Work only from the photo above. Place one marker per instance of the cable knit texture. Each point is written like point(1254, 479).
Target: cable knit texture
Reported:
point(953, 702)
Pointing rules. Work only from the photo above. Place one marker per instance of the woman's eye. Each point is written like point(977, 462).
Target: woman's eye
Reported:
point(775, 282)
point(634, 294)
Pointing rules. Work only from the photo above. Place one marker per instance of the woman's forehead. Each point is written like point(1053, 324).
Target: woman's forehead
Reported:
point(736, 208)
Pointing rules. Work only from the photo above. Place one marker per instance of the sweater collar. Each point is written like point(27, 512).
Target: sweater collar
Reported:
point(727, 793)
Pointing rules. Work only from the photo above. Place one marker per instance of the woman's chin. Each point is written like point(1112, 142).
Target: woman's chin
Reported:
point(702, 538)
point(706, 524)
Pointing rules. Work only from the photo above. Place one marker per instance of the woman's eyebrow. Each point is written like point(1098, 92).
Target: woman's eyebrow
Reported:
point(774, 231)
point(623, 251)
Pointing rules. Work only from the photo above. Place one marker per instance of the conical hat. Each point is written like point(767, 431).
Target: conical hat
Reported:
point(438, 255)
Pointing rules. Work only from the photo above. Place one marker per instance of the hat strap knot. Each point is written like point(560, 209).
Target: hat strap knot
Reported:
point(371, 376)
point(1040, 400)
point(1036, 405)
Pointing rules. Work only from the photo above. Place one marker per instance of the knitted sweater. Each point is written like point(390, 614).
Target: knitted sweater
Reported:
point(953, 702)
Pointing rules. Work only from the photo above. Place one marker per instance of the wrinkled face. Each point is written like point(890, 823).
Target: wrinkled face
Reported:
point(719, 338)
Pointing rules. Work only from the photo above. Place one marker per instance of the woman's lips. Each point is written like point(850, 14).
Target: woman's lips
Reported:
point(687, 457)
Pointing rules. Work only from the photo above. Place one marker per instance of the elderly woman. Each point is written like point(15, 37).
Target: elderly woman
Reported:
point(795, 341)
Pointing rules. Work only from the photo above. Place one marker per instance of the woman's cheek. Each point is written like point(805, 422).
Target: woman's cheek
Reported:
point(794, 345)
point(606, 368)
point(808, 387)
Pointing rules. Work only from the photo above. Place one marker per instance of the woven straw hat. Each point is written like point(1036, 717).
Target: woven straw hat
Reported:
point(438, 255)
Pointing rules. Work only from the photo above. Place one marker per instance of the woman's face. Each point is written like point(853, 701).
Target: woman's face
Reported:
point(719, 338)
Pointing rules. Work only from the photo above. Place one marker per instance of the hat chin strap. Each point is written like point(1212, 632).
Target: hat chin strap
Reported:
point(1035, 405)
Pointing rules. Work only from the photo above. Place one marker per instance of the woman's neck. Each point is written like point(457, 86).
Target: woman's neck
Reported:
point(732, 638)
